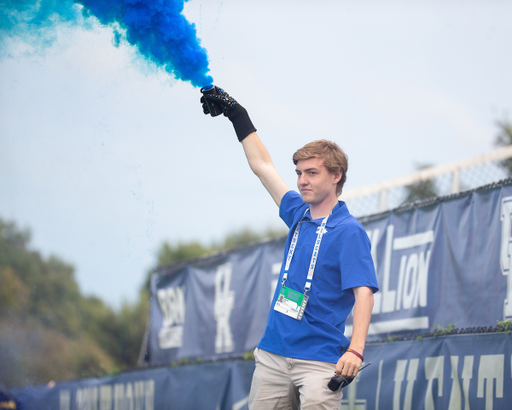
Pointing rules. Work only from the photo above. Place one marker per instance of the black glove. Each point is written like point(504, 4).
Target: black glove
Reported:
point(216, 101)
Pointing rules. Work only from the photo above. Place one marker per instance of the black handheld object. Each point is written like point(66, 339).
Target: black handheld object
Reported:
point(338, 382)
point(216, 101)
point(213, 108)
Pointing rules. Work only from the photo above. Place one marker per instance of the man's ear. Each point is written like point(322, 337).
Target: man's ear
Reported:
point(337, 177)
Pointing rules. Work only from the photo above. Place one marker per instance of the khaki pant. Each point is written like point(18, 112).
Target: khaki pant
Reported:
point(281, 383)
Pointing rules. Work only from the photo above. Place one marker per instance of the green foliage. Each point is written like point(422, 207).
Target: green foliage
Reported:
point(503, 139)
point(183, 251)
point(245, 236)
point(421, 190)
point(504, 326)
point(48, 330)
point(438, 330)
point(169, 254)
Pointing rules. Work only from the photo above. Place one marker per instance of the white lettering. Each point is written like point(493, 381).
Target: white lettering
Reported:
point(170, 337)
point(64, 400)
point(374, 239)
point(388, 326)
point(411, 277)
point(412, 375)
point(224, 303)
point(455, 396)
point(401, 275)
point(412, 285)
point(276, 270)
point(399, 378)
point(149, 394)
point(379, 382)
point(106, 397)
point(422, 287)
point(172, 304)
point(434, 368)
point(139, 395)
point(129, 397)
point(492, 367)
point(87, 398)
point(467, 374)
point(506, 252)
point(412, 241)
point(413, 281)
point(388, 296)
point(119, 397)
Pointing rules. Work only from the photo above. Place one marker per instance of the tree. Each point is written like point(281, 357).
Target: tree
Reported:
point(183, 251)
point(420, 190)
point(48, 330)
point(503, 139)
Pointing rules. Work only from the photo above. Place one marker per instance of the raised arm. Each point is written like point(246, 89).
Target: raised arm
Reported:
point(261, 164)
point(257, 155)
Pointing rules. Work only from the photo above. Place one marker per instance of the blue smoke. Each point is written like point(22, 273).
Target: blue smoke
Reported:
point(157, 28)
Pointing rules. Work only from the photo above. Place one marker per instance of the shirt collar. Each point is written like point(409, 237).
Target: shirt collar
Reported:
point(339, 213)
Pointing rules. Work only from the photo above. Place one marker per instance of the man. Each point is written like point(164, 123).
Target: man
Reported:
point(327, 271)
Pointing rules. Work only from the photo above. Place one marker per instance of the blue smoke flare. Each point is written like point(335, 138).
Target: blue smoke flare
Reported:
point(157, 28)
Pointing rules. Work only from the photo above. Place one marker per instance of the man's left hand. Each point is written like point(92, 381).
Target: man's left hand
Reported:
point(348, 365)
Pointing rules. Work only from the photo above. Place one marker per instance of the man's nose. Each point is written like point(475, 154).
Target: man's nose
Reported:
point(302, 180)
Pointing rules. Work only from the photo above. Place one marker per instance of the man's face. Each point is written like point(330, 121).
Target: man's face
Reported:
point(314, 181)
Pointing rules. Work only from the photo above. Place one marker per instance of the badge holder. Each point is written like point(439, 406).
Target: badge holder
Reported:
point(291, 302)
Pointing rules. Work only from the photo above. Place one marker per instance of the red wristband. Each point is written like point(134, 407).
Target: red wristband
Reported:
point(357, 354)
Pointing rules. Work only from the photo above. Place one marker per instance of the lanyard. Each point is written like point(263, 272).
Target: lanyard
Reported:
point(314, 257)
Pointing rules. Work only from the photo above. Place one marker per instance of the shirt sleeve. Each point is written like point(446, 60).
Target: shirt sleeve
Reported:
point(356, 263)
point(291, 206)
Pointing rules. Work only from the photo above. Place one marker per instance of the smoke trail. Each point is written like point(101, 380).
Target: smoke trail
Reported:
point(35, 21)
point(157, 28)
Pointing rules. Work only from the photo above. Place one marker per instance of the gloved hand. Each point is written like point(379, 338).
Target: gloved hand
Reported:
point(216, 99)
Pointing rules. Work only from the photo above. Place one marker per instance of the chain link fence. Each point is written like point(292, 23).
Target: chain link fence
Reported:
point(430, 182)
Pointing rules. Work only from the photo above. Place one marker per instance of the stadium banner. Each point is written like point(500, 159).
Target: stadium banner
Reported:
point(442, 373)
point(444, 263)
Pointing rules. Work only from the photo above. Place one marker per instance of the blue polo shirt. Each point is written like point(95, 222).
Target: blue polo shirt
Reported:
point(344, 262)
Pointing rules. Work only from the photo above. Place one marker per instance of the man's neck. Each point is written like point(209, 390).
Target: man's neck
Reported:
point(323, 209)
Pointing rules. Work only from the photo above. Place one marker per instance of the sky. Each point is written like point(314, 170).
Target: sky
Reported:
point(104, 157)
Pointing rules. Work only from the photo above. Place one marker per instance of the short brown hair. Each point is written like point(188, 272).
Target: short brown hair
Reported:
point(335, 160)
